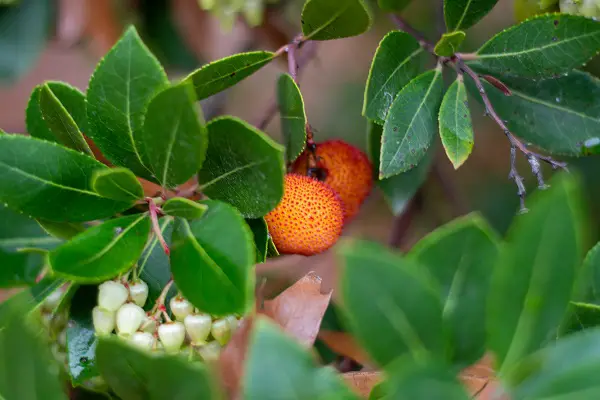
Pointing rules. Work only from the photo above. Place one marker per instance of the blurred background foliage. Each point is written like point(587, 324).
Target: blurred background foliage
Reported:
point(64, 39)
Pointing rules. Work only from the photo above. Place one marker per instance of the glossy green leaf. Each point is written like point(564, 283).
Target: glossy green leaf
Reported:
point(535, 276)
point(153, 266)
point(243, 167)
point(409, 130)
point(460, 256)
point(399, 189)
point(581, 316)
point(71, 99)
point(103, 251)
point(27, 370)
point(456, 128)
point(17, 231)
point(60, 122)
point(184, 208)
point(117, 184)
point(558, 115)
point(45, 180)
point(567, 369)
point(61, 230)
point(221, 74)
point(277, 367)
point(173, 143)
point(117, 98)
point(463, 14)
point(334, 19)
point(397, 60)
point(20, 48)
point(592, 265)
point(212, 260)
point(81, 337)
point(293, 117)
point(136, 374)
point(404, 318)
point(543, 46)
point(16, 270)
point(260, 231)
point(449, 43)
point(393, 5)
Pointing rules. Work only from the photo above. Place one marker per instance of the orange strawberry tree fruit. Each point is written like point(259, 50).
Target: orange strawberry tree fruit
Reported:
point(128, 294)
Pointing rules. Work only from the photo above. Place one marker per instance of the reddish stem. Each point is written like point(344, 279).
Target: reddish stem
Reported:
point(154, 212)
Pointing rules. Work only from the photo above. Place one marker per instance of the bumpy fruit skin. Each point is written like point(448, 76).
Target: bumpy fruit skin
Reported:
point(347, 170)
point(309, 218)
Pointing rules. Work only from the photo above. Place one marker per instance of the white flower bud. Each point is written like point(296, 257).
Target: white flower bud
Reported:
point(62, 339)
point(103, 320)
point(129, 319)
point(210, 351)
point(143, 340)
point(221, 331)
point(198, 327)
point(171, 335)
point(139, 292)
point(112, 295)
point(53, 300)
point(180, 307)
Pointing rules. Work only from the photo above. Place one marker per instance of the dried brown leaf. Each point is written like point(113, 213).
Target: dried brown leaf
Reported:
point(300, 308)
point(362, 382)
point(232, 359)
point(344, 344)
point(480, 379)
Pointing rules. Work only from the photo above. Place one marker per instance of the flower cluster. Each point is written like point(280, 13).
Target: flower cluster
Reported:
point(587, 8)
point(226, 11)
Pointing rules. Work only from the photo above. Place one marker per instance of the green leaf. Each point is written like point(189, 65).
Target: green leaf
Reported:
point(154, 267)
point(456, 129)
point(61, 230)
point(21, 47)
point(410, 127)
point(117, 98)
point(566, 369)
point(399, 189)
point(543, 46)
point(558, 115)
point(334, 19)
point(535, 276)
point(592, 265)
point(45, 180)
point(582, 316)
point(212, 260)
point(71, 99)
point(60, 122)
point(243, 167)
point(27, 370)
point(404, 318)
point(397, 60)
point(260, 231)
point(461, 256)
point(219, 75)
point(463, 14)
point(81, 336)
point(103, 251)
point(138, 374)
point(173, 144)
point(117, 184)
point(393, 5)
point(293, 117)
point(184, 208)
point(278, 368)
point(449, 43)
point(15, 270)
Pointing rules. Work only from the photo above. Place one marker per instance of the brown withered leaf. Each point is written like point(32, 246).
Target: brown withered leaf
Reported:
point(344, 344)
point(300, 308)
point(232, 358)
point(362, 382)
point(480, 380)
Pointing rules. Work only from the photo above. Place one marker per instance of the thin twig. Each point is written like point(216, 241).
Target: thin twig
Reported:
point(406, 27)
point(480, 390)
point(154, 212)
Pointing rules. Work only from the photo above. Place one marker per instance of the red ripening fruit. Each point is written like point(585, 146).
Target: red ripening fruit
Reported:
point(346, 169)
point(309, 218)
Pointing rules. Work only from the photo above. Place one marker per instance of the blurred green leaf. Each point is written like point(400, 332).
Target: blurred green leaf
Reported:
point(463, 14)
point(411, 124)
point(581, 316)
point(449, 43)
point(45, 180)
point(293, 117)
point(260, 231)
point(18, 231)
point(214, 271)
point(137, 374)
point(278, 368)
point(456, 129)
point(396, 62)
point(543, 46)
point(117, 98)
point(174, 140)
point(102, 251)
point(184, 208)
point(592, 265)
point(393, 5)
point(117, 184)
point(535, 276)
point(461, 256)
point(404, 318)
point(334, 19)
point(243, 167)
point(221, 74)
point(61, 230)
point(153, 266)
